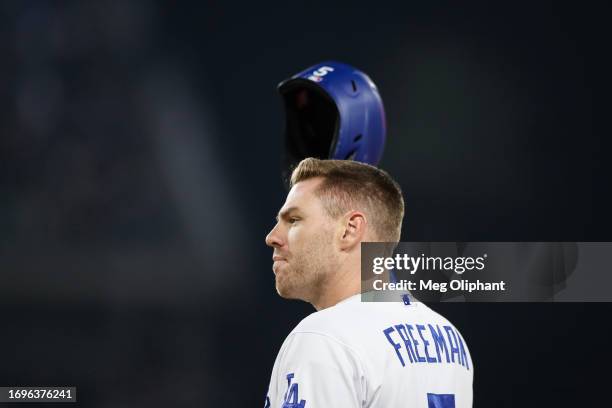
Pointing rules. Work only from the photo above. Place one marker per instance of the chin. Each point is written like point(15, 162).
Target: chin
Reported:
point(285, 289)
point(283, 294)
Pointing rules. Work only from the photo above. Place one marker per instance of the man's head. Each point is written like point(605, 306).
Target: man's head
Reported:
point(333, 206)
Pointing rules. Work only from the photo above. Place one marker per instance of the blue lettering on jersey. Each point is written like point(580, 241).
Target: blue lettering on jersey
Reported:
point(438, 339)
point(415, 344)
point(451, 344)
point(440, 400)
point(291, 395)
point(267, 405)
point(395, 345)
point(454, 348)
point(420, 329)
point(401, 329)
point(463, 353)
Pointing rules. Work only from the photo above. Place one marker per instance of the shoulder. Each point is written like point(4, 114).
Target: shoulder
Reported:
point(349, 319)
point(334, 320)
point(326, 370)
point(332, 328)
point(326, 328)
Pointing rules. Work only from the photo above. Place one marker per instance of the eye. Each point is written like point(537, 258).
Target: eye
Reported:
point(293, 220)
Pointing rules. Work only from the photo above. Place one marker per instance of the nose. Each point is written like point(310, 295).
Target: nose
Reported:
point(273, 238)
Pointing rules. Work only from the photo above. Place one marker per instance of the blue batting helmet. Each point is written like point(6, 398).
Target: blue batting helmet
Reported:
point(333, 111)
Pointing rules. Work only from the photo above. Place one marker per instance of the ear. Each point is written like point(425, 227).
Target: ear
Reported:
point(354, 229)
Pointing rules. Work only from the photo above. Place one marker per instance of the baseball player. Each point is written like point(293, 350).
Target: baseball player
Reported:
point(351, 353)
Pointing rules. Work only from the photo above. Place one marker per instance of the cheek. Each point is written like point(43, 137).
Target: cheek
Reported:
point(309, 237)
point(298, 239)
point(294, 237)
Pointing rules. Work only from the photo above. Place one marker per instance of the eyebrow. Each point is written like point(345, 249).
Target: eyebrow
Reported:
point(283, 214)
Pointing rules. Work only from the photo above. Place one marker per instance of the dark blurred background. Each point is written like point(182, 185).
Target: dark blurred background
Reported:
point(140, 149)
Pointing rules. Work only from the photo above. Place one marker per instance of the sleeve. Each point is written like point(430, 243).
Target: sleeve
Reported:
point(314, 370)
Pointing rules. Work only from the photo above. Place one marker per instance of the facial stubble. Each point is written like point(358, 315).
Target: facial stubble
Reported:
point(308, 270)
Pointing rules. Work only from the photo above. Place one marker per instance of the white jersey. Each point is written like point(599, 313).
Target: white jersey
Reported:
point(376, 355)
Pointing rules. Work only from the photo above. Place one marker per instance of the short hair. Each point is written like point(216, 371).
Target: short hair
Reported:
point(350, 185)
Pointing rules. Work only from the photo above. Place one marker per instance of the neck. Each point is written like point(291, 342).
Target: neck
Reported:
point(342, 284)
